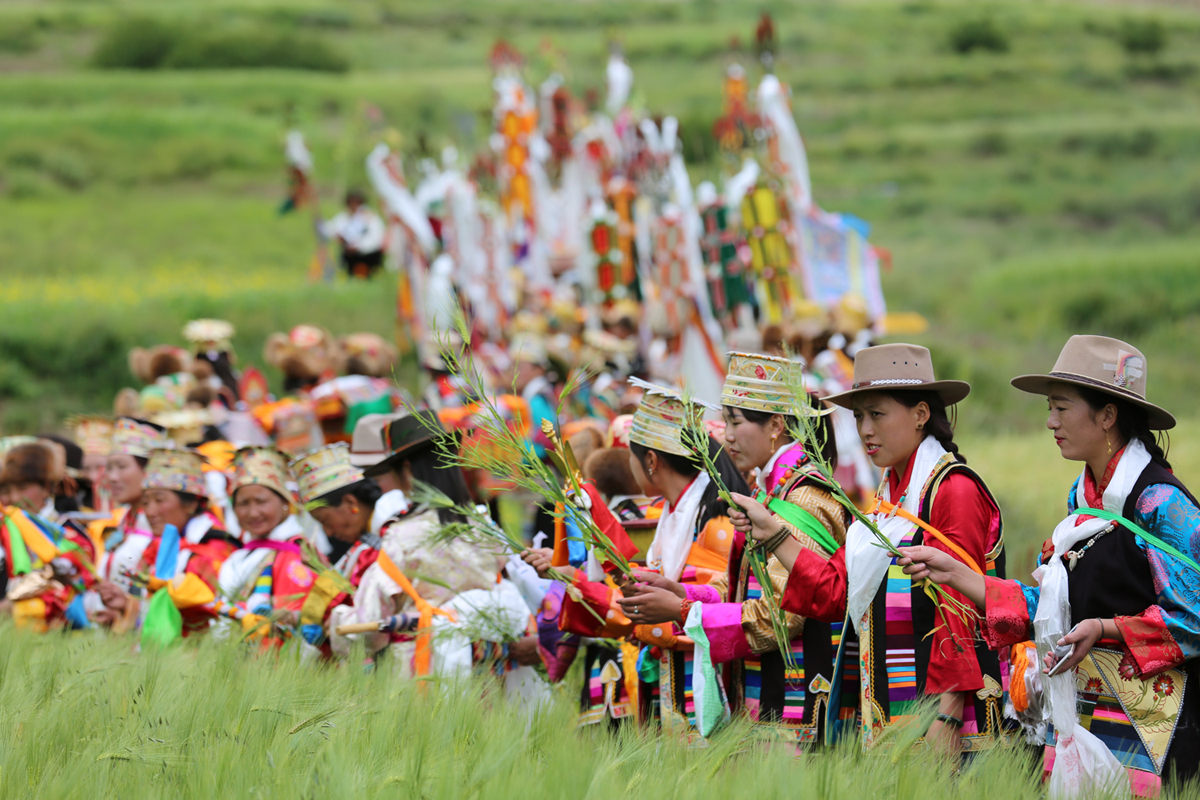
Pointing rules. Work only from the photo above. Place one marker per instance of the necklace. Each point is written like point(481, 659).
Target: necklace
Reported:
point(1072, 556)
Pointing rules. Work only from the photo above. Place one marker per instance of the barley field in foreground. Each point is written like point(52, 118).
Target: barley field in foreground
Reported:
point(85, 717)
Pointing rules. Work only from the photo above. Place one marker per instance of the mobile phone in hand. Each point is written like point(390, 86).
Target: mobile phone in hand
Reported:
point(1062, 654)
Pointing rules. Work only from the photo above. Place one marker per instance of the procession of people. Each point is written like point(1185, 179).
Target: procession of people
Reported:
point(653, 432)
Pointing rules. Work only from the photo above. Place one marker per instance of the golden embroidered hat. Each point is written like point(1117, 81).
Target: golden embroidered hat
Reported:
point(325, 470)
point(761, 383)
point(897, 367)
point(660, 418)
point(261, 466)
point(94, 434)
point(135, 437)
point(1107, 365)
point(177, 470)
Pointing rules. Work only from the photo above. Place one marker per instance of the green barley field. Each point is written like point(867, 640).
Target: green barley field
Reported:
point(87, 718)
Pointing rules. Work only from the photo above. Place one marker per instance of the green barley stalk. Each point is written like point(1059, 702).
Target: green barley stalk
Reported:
point(513, 457)
point(696, 439)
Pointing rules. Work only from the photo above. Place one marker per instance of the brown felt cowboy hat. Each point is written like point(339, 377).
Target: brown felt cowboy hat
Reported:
point(407, 437)
point(1107, 365)
point(897, 367)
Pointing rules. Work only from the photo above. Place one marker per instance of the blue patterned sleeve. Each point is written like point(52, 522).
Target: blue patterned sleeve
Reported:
point(1167, 512)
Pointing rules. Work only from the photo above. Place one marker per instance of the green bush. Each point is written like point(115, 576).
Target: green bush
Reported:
point(978, 34)
point(148, 43)
point(1141, 36)
point(251, 50)
point(18, 37)
point(136, 43)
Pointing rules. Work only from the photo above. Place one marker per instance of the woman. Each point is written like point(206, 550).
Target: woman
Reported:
point(342, 501)
point(414, 571)
point(1119, 591)
point(905, 645)
point(691, 545)
point(759, 407)
point(268, 574)
point(127, 535)
point(186, 532)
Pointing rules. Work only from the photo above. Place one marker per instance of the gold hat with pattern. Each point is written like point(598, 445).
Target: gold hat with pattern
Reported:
point(262, 466)
point(94, 434)
point(177, 470)
point(135, 437)
point(761, 383)
point(661, 417)
point(325, 470)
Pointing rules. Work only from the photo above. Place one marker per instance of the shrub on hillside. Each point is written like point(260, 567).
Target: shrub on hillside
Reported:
point(1141, 36)
point(978, 34)
point(148, 43)
point(136, 43)
point(255, 50)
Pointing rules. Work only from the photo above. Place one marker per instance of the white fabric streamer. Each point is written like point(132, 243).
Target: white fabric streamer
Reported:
point(866, 562)
point(1083, 765)
point(674, 536)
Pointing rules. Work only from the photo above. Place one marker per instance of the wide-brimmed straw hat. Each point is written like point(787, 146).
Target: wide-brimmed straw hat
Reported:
point(898, 367)
point(1107, 365)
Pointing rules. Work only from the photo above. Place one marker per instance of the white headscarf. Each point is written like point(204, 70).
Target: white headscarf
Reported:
point(866, 562)
point(674, 536)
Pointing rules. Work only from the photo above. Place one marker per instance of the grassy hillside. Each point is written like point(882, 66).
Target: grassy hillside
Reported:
point(1046, 186)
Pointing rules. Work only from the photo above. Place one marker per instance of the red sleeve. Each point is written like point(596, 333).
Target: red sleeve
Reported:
point(610, 526)
point(1006, 617)
point(1149, 642)
point(816, 588)
point(590, 609)
point(965, 514)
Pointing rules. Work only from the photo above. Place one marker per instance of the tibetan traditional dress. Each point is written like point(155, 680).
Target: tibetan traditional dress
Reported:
point(46, 569)
point(887, 658)
point(411, 573)
point(740, 633)
point(690, 546)
point(1137, 696)
point(269, 574)
point(203, 548)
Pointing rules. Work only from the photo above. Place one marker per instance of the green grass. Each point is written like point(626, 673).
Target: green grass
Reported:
point(84, 717)
point(1025, 195)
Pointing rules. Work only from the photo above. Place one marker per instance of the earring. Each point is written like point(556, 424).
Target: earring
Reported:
point(920, 425)
point(774, 446)
point(650, 472)
point(1108, 442)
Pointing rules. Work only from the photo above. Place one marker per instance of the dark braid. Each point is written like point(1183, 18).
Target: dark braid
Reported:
point(939, 425)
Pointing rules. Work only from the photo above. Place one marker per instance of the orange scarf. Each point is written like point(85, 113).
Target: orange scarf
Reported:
point(424, 655)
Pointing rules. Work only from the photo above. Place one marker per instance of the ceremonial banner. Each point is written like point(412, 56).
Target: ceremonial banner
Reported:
point(838, 260)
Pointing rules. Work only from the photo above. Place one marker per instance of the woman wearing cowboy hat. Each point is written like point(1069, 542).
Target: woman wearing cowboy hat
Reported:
point(1116, 615)
point(894, 635)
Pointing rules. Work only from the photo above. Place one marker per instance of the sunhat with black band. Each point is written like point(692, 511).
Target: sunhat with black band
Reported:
point(407, 437)
point(897, 367)
point(1107, 365)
